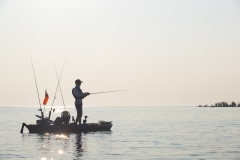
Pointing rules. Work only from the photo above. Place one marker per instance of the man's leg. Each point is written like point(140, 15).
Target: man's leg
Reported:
point(78, 120)
point(79, 113)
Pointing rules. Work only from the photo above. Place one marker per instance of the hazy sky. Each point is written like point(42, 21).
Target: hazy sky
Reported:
point(169, 53)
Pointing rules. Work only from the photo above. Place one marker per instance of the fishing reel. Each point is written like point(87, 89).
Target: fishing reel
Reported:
point(85, 121)
point(65, 117)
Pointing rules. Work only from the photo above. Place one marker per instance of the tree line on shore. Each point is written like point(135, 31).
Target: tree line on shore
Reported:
point(222, 104)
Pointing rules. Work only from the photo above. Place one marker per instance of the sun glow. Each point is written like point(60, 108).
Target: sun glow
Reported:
point(60, 152)
point(62, 136)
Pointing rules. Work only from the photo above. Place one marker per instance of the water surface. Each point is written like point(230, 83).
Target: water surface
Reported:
point(137, 133)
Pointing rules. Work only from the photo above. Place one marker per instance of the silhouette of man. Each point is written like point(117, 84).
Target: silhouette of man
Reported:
point(78, 95)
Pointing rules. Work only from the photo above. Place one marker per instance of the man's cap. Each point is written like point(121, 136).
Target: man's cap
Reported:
point(78, 81)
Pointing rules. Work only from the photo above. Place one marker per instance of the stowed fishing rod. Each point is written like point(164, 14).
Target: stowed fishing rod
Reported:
point(37, 89)
point(56, 90)
point(110, 91)
point(59, 86)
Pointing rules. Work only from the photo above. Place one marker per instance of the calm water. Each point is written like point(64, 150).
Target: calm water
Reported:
point(137, 133)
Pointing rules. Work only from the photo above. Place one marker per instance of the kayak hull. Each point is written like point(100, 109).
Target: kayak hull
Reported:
point(69, 128)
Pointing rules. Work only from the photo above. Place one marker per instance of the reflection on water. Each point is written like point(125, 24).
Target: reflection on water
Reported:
point(78, 145)
point(61, 146)
point(62, 136)
point(50, 146)
point(60, 152)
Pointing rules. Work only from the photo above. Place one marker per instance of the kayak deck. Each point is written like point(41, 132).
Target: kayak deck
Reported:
point(68, 128)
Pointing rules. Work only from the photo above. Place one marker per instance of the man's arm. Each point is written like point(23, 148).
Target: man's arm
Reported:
point(80, 95)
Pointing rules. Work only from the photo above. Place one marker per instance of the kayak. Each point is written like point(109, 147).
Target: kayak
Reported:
point(67, 128)
point(62, 125)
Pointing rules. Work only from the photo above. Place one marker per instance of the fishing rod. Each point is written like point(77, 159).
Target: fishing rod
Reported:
point(37, 89)
point(59, 86)
point(110, 91)
point(56, 90)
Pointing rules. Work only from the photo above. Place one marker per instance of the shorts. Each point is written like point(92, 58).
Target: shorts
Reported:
point(79, 110)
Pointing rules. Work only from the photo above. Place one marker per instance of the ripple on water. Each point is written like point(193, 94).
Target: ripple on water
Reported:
point(137, 133)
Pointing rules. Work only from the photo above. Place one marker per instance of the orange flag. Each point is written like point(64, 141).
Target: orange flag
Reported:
point(46, 98)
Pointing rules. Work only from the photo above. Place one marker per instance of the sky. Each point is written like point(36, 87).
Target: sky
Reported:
point(168, 52)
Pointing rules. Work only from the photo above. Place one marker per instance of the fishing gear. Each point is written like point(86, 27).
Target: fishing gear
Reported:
point(56, 90)
point(37, 90)
point(110, 91)
point(45, 125)
point(65, 115)
point(59, 86)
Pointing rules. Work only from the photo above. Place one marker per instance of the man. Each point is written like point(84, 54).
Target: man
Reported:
point(79, 95)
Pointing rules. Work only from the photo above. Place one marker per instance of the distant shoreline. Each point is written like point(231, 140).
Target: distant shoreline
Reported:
point(217, 106)
point(222, 104)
